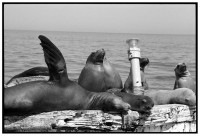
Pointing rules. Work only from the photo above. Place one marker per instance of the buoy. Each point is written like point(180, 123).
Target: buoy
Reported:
point(134, 56)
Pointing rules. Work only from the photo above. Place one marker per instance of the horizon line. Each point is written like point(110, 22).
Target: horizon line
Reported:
point(93, 32)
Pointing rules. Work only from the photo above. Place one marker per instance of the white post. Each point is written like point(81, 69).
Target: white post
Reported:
point(134, 56)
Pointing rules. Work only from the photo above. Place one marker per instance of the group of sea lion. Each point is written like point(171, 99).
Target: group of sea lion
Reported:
point(98, 76)
point(60, 93)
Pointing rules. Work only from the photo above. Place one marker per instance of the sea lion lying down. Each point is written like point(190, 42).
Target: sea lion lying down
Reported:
point(178, 96)
point(59, 93)
point(183, 78)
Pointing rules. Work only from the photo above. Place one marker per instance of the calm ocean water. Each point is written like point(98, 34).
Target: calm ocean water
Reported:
point(22, 51)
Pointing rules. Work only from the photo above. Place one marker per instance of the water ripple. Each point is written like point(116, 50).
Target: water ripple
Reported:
point(22, 51)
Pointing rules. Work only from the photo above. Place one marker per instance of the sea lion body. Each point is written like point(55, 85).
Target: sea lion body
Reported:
point(112, 77)
point(59, 93)
point(178, 96)
point(41, 96)
point(98, 74)
point(183, 78)
point(128, 85)
point(36, 71)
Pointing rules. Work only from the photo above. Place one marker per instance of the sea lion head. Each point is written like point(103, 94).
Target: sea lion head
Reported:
point(190, 97)
point(181, 70)
point(141, 103)
point(146, 104)
point(143, 63)
point(96, 57)
point(184, 96)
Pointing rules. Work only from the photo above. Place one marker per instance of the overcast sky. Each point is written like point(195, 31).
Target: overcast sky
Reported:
point(114, 18)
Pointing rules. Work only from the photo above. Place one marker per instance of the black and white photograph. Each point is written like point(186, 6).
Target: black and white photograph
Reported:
point(116, 67)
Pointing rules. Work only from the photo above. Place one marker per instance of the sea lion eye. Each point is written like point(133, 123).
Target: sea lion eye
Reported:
point(186, 99)
point(61, 71)
point(92, 53)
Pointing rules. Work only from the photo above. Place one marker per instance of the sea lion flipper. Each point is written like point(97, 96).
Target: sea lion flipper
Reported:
point(35, 71)
point(54, 60)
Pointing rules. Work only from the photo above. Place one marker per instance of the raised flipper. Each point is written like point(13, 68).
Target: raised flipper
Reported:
point(55, 61)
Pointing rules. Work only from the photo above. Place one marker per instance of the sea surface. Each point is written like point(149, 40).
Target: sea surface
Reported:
point(23, 51)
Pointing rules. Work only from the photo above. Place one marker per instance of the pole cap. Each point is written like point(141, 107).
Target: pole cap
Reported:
point(132, 42)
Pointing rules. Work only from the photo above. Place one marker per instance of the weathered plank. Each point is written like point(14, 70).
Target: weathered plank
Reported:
point(164, 118)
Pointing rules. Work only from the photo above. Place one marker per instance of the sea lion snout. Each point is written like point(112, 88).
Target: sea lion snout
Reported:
point(97, 57)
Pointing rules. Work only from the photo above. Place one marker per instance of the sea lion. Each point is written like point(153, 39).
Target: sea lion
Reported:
point(183, 78)
point(59, 93)
point(99, 75)
point(178, 96)
point(128, 86)
point(35, 71)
